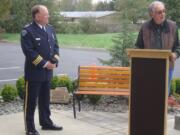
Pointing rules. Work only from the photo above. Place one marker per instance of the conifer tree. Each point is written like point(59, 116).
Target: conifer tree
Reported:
point(129, 13)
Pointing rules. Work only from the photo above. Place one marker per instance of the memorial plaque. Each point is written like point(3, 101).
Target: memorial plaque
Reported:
point(60, 95)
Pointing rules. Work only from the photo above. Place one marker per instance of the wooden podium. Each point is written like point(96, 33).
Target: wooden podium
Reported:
point(148, 91)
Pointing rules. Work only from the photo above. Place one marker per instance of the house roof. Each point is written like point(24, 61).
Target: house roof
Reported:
point(93, 14)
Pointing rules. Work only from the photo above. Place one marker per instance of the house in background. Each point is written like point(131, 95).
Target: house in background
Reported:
point(108, 19)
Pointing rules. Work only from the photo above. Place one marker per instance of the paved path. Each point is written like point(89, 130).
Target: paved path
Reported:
point(87, 123)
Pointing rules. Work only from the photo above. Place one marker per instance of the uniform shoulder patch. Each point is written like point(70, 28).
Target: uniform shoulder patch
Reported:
point(23, 32)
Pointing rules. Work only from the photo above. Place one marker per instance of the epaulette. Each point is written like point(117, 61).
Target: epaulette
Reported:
point(27, 25)
point(24, 31)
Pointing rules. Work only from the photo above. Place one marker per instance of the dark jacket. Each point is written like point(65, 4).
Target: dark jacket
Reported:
point(164, 36)
point(38, 46)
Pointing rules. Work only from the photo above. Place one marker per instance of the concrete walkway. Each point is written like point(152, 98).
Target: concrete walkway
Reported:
point(87, 123)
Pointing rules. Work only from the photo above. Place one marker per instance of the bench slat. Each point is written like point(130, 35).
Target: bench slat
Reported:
point(122, 93)
point(104, 80)
point(104, 76)
point(104, 67)
point(103, 85)
point(94, 71)
point(100, 89)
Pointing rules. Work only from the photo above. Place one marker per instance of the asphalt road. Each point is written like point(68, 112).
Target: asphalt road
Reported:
point(12, 61)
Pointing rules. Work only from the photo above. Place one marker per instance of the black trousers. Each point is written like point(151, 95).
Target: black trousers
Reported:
point(36, 92)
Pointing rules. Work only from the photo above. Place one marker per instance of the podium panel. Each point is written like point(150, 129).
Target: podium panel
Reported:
point(147, 96)
point(148, 91)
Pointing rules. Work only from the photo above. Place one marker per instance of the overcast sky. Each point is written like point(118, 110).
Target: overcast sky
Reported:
point(95, 1)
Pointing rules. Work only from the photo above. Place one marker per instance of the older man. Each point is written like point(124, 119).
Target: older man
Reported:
point(40, 47)
point(160, 33)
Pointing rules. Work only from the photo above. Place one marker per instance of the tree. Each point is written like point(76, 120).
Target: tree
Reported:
point(133, 10)
point(112, 5)
point(105, 6)
point(122, 41)
point(102, 6)
point(67, 5)
point(84, 5)
point(4, 12)
point(5, 9)
point(173, 10)
point(20, 14)
point(88, 25)
point(78, 5)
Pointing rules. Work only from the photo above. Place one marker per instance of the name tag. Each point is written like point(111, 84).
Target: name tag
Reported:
point(37, 39)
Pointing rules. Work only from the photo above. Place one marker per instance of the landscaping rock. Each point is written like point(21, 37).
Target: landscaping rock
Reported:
point(60, 95)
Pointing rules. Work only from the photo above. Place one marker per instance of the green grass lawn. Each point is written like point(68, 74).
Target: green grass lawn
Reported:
point(10, 37)
point(86, 40)
point(74, 40)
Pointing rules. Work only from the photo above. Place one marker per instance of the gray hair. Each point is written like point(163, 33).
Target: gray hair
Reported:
point(153, 5)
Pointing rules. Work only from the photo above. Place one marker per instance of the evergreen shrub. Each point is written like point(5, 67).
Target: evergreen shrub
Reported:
point(20, 86)
point(9, 93)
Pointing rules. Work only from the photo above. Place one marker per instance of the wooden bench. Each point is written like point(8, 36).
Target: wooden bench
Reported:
point(101, 80)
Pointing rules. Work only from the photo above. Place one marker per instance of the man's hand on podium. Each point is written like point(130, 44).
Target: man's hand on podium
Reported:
point(173, 57)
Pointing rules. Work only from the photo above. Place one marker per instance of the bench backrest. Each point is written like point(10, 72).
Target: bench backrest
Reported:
point(103, 78)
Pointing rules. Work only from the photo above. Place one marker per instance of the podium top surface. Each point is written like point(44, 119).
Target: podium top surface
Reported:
point(149, 53)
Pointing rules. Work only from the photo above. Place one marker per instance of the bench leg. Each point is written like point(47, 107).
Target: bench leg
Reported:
point(79, 102)
point(74, 106)
point(79, 105)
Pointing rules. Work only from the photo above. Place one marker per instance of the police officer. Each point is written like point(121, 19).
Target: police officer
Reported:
point(40, 47)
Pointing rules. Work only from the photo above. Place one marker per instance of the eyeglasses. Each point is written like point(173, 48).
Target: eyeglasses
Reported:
point(160, 12)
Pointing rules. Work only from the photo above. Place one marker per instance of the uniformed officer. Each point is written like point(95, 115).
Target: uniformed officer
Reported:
point(40, 47)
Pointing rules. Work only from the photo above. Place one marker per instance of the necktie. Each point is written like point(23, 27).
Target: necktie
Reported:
point(44, 28)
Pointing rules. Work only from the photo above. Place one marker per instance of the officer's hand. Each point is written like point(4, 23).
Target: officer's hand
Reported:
point(173, 57)
point(50, 65)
